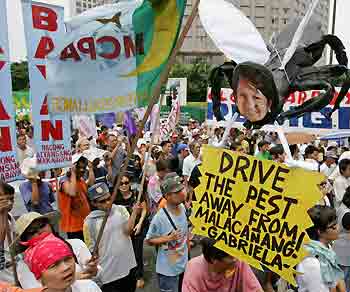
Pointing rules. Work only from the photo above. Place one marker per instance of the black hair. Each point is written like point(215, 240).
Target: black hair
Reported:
point(262, 143)
point(164, 143)
point(343, 164)
point(293, 149)
point(310, 149)
point(8, 189)
point(20, 135)
point(277, 150)
point(263, 80)
point(210, 252)
point(162, 164)
point(321, 217)
point(346, 197)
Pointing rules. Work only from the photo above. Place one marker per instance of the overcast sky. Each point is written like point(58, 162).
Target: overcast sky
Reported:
point(18, 51)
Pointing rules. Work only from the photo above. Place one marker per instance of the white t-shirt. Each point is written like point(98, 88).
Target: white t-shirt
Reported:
point(340, 185)
point(327, 171)
point(190, 162)
point(116, 253)
point(27, 278)
point(310, 280)
point(85, 286)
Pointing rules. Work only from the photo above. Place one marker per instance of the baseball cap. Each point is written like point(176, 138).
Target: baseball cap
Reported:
point(97, 191)
point(141, 142)
point(172, 183)
point(182, 147)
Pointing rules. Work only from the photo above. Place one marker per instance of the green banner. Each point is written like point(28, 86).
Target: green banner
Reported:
point(187, 112)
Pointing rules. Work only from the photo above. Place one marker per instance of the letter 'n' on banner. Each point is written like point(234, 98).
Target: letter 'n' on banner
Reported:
point(44, 26)
point(9, 168)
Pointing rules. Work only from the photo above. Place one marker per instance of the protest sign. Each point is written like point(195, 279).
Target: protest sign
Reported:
point(43, 25)
point(112, 57)
point(86, 124)
point(9, 168)
point(314, 122)
point(176, 88)
point(255, 209)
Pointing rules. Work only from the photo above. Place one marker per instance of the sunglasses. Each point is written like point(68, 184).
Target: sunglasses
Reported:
point(104, 200)
point(124, 183)
point(333, 226)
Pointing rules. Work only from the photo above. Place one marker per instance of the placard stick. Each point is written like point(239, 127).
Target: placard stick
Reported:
point(148, 154)
point(283, 140)
point(155, 97)
point(13, 258)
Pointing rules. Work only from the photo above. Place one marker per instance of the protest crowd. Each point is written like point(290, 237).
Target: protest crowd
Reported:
point(53, 247)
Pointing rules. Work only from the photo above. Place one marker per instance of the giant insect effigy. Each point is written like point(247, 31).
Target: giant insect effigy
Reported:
point(261, 89)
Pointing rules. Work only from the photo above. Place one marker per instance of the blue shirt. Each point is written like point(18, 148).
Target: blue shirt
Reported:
point(172, 257)
point(46, 197)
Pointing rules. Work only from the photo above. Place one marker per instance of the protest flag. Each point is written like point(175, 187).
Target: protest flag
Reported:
point(155, 97)
point(112, 56)
point(129, 124)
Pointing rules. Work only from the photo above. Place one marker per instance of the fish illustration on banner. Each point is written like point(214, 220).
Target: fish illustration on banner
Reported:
point(43, 26)
point(112, 56)
point(262, 76)
point(9, 167)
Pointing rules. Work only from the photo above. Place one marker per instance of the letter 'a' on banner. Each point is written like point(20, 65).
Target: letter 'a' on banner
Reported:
point(44, 25)
point(9, 167)
point(255, 209)
point(112, 56)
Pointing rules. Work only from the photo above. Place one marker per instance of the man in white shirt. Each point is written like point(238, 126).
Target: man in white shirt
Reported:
point(191, 161)
point(23, 150)
point(311, 157)
point(342, 182)
point(329, 165)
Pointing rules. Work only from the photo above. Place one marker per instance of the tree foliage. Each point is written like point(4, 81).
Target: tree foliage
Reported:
point(197, 78)
point(20, 78)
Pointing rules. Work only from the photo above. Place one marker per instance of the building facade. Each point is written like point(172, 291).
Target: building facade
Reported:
point(269, 16)
point(79, 6)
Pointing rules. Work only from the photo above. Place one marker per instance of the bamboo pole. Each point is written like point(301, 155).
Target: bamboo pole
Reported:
point(155, 97)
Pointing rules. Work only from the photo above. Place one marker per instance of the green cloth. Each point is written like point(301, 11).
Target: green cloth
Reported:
point(331, 272)
point(264, 155)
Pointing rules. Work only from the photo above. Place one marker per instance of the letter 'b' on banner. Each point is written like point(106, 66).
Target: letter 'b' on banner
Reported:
point(9, 168)
point(44, 26)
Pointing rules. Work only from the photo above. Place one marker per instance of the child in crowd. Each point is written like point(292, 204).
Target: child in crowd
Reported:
point(168, 232)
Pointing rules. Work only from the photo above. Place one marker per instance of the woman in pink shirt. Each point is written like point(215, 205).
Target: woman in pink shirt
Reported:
point(216, 271)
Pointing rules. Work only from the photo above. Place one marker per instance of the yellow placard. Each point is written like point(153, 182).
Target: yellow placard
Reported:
point(255, 209)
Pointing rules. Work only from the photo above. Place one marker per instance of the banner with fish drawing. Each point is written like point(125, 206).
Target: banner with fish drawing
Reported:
point(112, 56)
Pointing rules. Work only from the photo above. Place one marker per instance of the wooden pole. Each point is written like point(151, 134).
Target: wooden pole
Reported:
point(155, 97)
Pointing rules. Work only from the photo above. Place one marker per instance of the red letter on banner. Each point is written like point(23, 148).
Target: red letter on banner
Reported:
point(44, 18)
point(5, 139)
point(89, 48)
point(70, 52)
point(5, 134)
point(45, 47)
point(108, 39)
point(48, 129)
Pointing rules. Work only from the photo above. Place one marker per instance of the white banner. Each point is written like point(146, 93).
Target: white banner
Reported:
point(9, 168)
point(314, 122)
point(44, 25)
